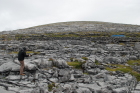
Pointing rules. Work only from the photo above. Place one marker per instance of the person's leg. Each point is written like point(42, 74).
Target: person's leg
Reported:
point(22, 67)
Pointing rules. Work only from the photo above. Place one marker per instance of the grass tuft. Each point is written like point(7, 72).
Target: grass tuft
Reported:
point(50, 86)
point(134, 62)
point(126, 69)
point(96, 62)
point(76, 64)
point(85, 58)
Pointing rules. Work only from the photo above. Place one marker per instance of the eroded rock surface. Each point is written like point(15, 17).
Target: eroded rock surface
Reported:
point(48, 67)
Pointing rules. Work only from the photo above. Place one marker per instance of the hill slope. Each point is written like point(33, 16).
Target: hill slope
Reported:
point(76, 26)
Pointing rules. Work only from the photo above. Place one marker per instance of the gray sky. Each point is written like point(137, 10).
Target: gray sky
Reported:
point(18, 14)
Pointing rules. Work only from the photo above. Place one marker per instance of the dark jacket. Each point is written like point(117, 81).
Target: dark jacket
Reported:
point(21, 55)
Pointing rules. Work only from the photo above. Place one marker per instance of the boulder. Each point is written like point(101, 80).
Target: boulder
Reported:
point(132, 57)
point(28, 64)
point(137, 46)
point(9, 66)
point(60, 63)
point(43, 63)
point(63, 72)
point(92, 58)
point(115, 60)
point(65, 78)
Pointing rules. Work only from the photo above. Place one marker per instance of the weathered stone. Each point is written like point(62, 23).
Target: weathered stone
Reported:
point(72, 78)
point(60, 63)
point(137, 46)
point(55, 80)
point(93, 87)
point(120, 90)
point(63, 72)
point(5, 91)
point(92, 71)
point(9, 66)
point(114, 47)
point(114, 60)
point(83, 90)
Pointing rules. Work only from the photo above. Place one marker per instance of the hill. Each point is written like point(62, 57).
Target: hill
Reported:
point(76, 26)
point(74, 29)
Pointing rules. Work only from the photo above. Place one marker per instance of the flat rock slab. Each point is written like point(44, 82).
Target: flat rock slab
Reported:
point(9, 66)
point(137, 45)
point(90, 86)
point(15, 77)
point(5, 91)
point(138, 87)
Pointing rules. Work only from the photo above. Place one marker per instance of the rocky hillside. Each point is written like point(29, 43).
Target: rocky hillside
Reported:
point(76, 30)
point(72, 57)
point(79, 26)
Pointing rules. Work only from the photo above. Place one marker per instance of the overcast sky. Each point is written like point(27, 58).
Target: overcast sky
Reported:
point(18, 14)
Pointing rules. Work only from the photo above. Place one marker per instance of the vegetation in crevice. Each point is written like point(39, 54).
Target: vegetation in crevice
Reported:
point(96, 62)
point(85, 58)
point(126, 69)
point(76, 63)
point(8, 37)
point(28, 52)
point(50, 86)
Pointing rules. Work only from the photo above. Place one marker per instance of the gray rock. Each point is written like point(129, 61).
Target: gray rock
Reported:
point(67, 88)
point(92, 58)
point(60, 63)
point(93, 87)
point(92, 71)
point(39, 90)
point(72, 78)
point(15, 77)
point(126, 64)
point(5, 91)
point(100, 59)
point(9, 66)
point(120, 90)
point(55, 74)
point(138, 87)
point(132, 57)
point(114, 60)
point(137, 46)
point(55, 80)
point(83, 90)
point(30, 66)
point(64, 72)
point(42, 53)
point(64, 79)
point(114, 47)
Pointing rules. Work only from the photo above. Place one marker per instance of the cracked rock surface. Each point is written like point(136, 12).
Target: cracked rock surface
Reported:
point(47, 70)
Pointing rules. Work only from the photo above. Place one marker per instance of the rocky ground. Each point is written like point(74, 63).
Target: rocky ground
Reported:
point(48, 69)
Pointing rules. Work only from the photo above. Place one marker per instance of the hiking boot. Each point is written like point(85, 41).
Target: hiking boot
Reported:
point(22, 74)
